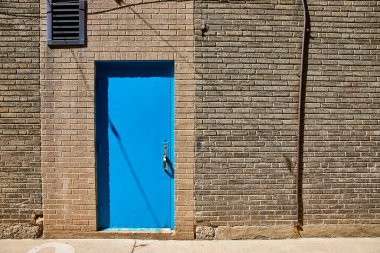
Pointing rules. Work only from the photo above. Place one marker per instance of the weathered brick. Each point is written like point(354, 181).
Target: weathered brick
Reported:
point(243, 104)
point(247, 67)
point(146, 31)
point(20, 168)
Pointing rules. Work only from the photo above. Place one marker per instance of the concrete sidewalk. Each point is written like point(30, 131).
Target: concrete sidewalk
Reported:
point(317, 245)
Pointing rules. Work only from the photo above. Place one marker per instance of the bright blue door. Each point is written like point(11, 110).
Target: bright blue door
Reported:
point(134, 144)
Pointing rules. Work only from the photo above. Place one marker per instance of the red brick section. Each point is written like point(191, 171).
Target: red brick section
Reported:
point(20, 181)
point(133, 30)
point(247, 77)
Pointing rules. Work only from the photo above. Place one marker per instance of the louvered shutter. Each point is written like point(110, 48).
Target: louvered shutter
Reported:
point(66, 21)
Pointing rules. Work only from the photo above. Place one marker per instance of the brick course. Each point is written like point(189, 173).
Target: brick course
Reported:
point(247, 77)
point(342, 166)
point(20, 168)
point(137, 30)
point(236, 108)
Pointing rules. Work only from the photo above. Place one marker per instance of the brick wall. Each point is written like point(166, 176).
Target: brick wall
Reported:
point(116, 30)
point(342, 163)
point(20, 185)
point(246, 95)
point(247, 77)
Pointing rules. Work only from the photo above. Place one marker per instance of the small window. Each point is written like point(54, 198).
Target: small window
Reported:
point(66, 20)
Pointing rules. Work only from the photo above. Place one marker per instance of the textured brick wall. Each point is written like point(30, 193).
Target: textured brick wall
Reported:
point(247, 77)
point(130, 30)
point(20, 174)
point(342, 131)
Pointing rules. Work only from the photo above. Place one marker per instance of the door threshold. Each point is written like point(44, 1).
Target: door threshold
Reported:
point(138, 230)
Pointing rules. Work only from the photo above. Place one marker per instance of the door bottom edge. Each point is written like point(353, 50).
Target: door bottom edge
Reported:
point(138, 230)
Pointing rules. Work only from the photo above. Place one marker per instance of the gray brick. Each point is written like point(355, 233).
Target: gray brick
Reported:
point(258, 45)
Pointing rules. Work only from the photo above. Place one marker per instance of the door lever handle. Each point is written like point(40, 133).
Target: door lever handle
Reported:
point(165, 158)
point(165, 165)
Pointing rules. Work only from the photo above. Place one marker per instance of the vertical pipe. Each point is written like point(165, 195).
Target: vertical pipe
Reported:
point(301, 111)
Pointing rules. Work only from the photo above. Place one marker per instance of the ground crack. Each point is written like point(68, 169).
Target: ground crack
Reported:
point(134, 246)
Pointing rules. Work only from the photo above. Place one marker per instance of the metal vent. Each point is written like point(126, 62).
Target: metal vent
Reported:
point(66, 22)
